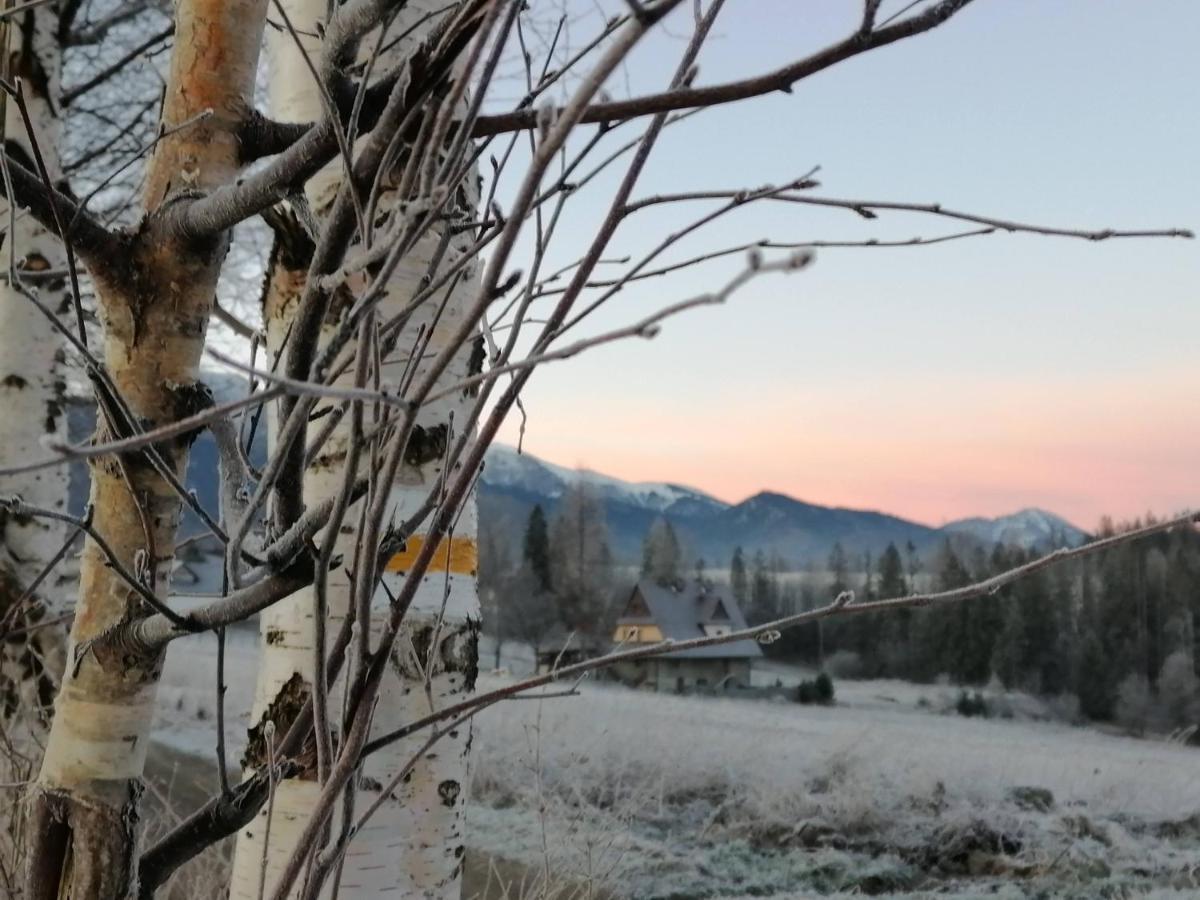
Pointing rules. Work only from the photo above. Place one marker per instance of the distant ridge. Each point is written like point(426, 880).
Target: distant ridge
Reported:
point(797, 532)
point(1025, 528)
point(774, 523)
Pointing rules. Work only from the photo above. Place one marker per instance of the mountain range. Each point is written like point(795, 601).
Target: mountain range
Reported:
point(797, 532)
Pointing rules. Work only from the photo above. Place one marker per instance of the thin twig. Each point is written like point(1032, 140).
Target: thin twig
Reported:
point(18, 507)
point(843, 604)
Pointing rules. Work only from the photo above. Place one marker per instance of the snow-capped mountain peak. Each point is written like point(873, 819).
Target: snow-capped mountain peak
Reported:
point(1028, 527)
point(506, 468)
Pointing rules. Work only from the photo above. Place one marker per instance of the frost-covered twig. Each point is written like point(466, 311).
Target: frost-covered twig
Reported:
point(843, 604)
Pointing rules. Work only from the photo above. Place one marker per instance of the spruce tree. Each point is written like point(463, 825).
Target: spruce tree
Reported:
point(662, 557)
point(764, 591)
point(839, 570)
point(894, 633)
point(536, 550)
point(738, 582)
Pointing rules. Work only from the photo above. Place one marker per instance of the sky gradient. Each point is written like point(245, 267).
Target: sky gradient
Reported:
point(971, 378)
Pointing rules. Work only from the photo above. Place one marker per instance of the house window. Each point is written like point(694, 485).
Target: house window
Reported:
point(715, 630)
point(631, 634)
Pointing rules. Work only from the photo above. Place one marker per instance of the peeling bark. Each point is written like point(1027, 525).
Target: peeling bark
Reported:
point(94, 843)
point(408, 849)
point(32, 387)
point(154, 310)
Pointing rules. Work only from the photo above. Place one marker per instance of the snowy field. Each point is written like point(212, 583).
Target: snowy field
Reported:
point(887, 794)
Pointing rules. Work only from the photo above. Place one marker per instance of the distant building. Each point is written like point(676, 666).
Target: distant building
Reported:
point(560, 648)
point(680, 612)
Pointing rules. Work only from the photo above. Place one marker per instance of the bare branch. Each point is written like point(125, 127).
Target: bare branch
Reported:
point(843, 604)
point(17, 507)
point(73, 93)
point(645, 328)
point(782, 79)
point(98, 246)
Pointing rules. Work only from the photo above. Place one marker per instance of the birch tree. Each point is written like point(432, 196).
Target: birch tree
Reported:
point(32, 380)
point(407, 305)
point(414, 843)
point(38, 301)
point(155, 286)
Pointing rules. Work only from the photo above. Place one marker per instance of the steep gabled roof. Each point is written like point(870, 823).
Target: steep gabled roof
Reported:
point(716, 611)
point(681, 611)
point(636, 610)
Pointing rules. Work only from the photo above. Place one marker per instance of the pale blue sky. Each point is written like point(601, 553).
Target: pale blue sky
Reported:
point(978, 376)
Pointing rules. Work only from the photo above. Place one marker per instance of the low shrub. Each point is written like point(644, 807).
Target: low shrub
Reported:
point(972, 705)
point(818, 690)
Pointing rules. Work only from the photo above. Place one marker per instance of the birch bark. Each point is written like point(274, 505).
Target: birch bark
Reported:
point(413, 846)
point(154, 306)
point(32, 390)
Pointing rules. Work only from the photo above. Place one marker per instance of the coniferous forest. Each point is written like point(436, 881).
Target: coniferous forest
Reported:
point(1117, 631)
point(1113, 635)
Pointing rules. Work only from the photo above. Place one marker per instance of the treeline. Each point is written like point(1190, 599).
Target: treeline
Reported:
point(562, 587)
point(1116, 630)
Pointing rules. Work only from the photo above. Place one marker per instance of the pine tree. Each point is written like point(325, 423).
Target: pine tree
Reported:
point(1009, 655)
point(738, 582)
point(662, 557)
point(1095, 683)
point(839, 570)
point(940, 631)
point(581, 562)
point(868, 588)
point(978, 622)
point(764, 591)
point(894, 633)
point(891, 574)
point(536, 549)
point(913, 563)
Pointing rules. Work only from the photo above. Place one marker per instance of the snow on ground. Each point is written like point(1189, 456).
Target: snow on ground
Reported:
point(675, 797)
point(187, 694)
point(705, 797)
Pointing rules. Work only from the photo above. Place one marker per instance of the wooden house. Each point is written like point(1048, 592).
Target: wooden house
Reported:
point(679, 612)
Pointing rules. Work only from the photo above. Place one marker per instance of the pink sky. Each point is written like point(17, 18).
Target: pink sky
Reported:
point(978, 447)
point(971, 378)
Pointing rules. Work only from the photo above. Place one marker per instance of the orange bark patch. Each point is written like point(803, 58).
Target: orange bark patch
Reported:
point(458, 556)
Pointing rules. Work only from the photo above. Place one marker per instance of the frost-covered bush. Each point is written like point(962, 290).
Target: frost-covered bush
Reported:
point(844, 664)
point(1175, 704)
point(1135, 704)
point(972, 705)
point(818, 690)
point(1064, 708)
point(1178, 691)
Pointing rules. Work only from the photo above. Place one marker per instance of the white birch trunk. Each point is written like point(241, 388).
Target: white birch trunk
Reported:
point(154, 307)
point(32, 389)
point(413, 846)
